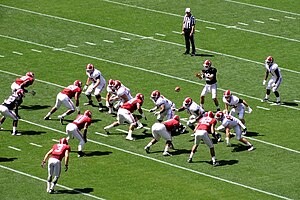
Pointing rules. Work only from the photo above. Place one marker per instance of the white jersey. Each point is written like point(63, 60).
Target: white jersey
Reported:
point(272, 68)
point(164, 101)
point(96, 75)
point(110, 90)
point(230, 121)
point(124, 91)
point(193, 109)
point(234, 102)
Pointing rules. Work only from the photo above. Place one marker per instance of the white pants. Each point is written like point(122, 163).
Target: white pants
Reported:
point(64, 99)
point(72, 130)
point(98, 89)
point(54, 167)
point(8, 113)
point(159, 130)
point(210, 88)
point(125, 115)
point(203, 134)
point(271, 81)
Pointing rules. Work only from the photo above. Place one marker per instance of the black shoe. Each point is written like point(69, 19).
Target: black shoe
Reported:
point(216, 164)
point(80, 154)
point(190, 160)
point(186, 53)
point(47, 118)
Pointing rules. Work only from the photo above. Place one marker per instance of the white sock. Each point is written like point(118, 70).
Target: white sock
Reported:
point(213, 159)
point(129, 133)
point(14, 129)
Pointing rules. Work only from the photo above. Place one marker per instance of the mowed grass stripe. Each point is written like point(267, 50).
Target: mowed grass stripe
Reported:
point(166, 163)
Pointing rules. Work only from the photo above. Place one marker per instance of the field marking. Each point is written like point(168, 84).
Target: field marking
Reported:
point(262, 7)
point(35, 50)
point(209, 22)
point(90, 43)
point(273, 19)
point(108, 41)
point(132, 34)
point(37, 145)
point(242, 23)
point(288, 17)
point(123, 131)
point(18, 53)
point(59, 185)
point(14, 148)
point(298, 101)
point(176, 32)
point(211, 28)
point(263, 108)
point(71, 45)
point(105, 135)
point(159, 34)
point(258, 21)
point(166, 163)
point(54, 140)
point(133, 67)
point(123, 38)
point(1, 56)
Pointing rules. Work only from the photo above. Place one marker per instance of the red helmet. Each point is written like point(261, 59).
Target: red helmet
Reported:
point(30, 74)
point(176, 117)
point(139, 96)
point(207, 64)
point(77, 83)
point(87, 113)
point(155, 94)
point(269, 60)
point(227, 93)
point(63, 141)
point(111, 83)
point(20, 92)
point(219, 115)
point(90, 68)
point(117, 84)
point(188, 101)
point(209, 114)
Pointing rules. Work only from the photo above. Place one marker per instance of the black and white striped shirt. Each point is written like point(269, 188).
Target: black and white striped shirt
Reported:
point(188, 22)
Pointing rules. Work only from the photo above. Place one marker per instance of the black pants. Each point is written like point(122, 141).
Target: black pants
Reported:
point(189, 39)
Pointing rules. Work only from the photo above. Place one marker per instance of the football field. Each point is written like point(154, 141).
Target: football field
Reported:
point(139, 42)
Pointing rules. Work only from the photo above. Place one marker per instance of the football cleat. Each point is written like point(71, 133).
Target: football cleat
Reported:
point(80, 154)
point(216, 163)
point(190, 160)
point(165, 153)
point(251, 148)
point(147, 149)
point(129, 138)
point(265, 100)
point(16, 133)
point(61, 119)
point(47, 118)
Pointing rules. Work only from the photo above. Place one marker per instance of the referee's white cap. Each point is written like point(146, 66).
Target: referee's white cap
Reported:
point(187, 10)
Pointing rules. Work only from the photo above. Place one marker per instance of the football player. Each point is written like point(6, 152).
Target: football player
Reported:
point(229, 122)
point(165, 106)
point(205, 126)
point(64, 97)
point(97, 85)
point(165, 130)
point(125, 114)
point(23, 82)
point(73, 129)
point(121, 96)
point(209, 73)
point(10, 108)
point(109, 93)
point(56, 154)
point(274, 82)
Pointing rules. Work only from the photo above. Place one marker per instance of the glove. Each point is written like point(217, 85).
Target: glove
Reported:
point(249, 110)
point(152, 110)
point(157, 113)
point(264, 82)
point(274, 85)
point(66, 168)
point(43, 164)
point(85, 87)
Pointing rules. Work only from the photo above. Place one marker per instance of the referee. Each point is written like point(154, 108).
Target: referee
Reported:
point(188, 30)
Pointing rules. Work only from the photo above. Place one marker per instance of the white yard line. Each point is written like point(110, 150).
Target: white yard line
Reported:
point(71, 45)
point(123, 131)
point(242, 23)
point(18, 53)
point(1, 56)
point(35, 50)
point(123, 38)
point(258, 21)
point(288, 17)
point(211, 28)
point(14, 148)
point(54, 140)
point(108, 41)
point(264, 108)
point(43, 180)
point(105, 135)
point(166, 163)
point(176, 32)
point(133, 67)
point(159, 34)
point(262, 7)
point(37, 145)
point(273, 19)
point(90, 43)
point(298, 101)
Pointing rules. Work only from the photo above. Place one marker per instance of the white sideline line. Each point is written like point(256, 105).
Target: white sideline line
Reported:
point(14, 148)
point(1, 56)
point(262, 7)
point(123, 38)
point(288, 17)
point(40, 179)
point(258, 21)
point(93, 25)
point(90, 43)
point(298, 101)
point(211, 28)
point(263, 108)
point(273, 19)
point(129, 66)
point(166, 163)
point(105, 135)
point(242, 23)
point(18, 53)
point(159, 34)
point(37, 145)
point(108, 41)
point(35, 50)
point(197, 31)
point(176, 32)
point(71, 45)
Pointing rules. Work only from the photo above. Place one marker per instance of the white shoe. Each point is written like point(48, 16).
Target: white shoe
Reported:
point(129, 138)
point(165, 153)
point(251, 148)
point(60, 117)
point(147, 149)
point(228, 144)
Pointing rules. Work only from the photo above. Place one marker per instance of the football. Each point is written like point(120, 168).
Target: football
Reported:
point(177, 89)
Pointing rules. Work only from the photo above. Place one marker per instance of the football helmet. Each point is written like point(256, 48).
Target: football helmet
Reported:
point(87, 113)
point(20, 93)
point(63, 141)
point(188, 101)
point(77, 83)
point(209, 114)
point(269, 60)
point(90, 68)
point(219, 115)
point(117, 84)
point(207, 64)
point(155, 95)
point(176, 117)
point(227, 93)
point(139, 96)
point(30, 74)
point(111, 83)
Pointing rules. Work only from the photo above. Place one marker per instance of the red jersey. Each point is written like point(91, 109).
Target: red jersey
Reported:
point(24, 81)
point(205, 123)
point(171, 124)
point(71, 90)
point(131, 105)
point(59, 151)
point(81, 120)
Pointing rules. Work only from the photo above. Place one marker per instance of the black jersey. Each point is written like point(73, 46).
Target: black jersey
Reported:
point(210, 72)
point(12, 101)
